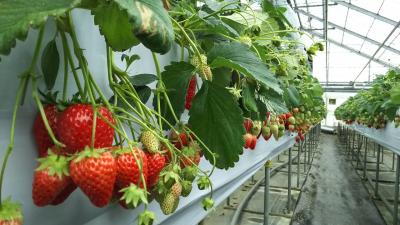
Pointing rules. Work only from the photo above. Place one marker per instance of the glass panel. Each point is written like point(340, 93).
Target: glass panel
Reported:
point(390, 9)
point(337, 14)
point(379, 30)
point(358, 22)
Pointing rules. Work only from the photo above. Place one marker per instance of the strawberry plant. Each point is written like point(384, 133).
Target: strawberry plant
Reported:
point(376, 106)
point(244, 77)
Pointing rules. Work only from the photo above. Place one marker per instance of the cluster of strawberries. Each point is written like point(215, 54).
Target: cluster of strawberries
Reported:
point(89, 161)
point(272, 126)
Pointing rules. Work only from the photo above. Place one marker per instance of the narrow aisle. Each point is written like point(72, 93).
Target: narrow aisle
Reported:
point(334, 193)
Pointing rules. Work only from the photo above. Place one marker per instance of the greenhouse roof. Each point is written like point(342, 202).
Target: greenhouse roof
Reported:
point(363, 36)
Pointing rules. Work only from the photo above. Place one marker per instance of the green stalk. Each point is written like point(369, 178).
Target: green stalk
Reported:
point(191, 43)
point(65, 86)
point(159, 85)
point(10, 147)
point(18, 100)
point(67, 53)
point(36, 97)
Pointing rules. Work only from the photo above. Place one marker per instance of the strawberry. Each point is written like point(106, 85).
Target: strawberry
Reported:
point(291, 127)
point(94, 172)
point(156, 162)
point(42, 138)
point(248, 124)
point(150, 141)
point(191, 91)
point(182, 140)
point(275, 130)
point(190, 155)
point(250, 141)
point(169, 203)
point(266, 132)
point(295, 110)
point(64, 194)
point(256, 129)
point(50, 179)
point(10, 213)
point(186, 188)
point(128, 169)
point(75, 127)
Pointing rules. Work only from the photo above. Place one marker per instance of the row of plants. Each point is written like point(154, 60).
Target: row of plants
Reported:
point(247, 75)
point(374, 107)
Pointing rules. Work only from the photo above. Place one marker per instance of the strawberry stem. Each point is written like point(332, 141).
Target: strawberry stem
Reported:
point(39, 104)
point(67, 53)
point(18, 100)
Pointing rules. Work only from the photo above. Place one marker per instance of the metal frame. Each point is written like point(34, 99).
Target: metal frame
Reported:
point(366, 12)
point(349, 31)
point(347, 136)
point(354, 50)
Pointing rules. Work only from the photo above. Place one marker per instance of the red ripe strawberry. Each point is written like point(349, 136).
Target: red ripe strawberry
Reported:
point(297, 139)
point(191, 91)
point(94, 172)
point(50, 179)
point(250, 141)
point(253, 143)
point(10, 213)
point(128, 168)
point(75, 127)
point(182, 140)
point(64, 194)
point(155, 162)
point(42, 138)
point(248, 124)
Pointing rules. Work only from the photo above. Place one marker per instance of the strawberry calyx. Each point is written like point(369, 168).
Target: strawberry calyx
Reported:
point(133, 195)
point(146, 218)
point(55, 164)
point(203, 183)
point(10, 210)
point(207, 203)
point(89, 153)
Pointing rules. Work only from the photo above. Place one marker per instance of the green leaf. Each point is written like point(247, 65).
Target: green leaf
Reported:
point(217, 119)
point(115, 26)
point(144, 93)
point(50, 64)
point(249, 101)
point(151, 23)
point(239, 57)
point(142, 79)
point(17, 16)
point(292, 96)
point(176, 79)
point(395, 95)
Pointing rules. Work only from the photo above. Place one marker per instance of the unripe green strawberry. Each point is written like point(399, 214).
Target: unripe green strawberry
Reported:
point(189, 173)
point(205, 72)
point(292, 120)
point(186, 188)
point(169, 203)
point(281, 133)
point(275, 130)
point(176, 189)
point(256, 129)
point(150, 141)
point(197, 62)
point(266, 132)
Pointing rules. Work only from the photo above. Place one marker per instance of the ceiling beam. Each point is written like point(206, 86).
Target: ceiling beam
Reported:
point(349, 31)
point(366, 12)
point(353, 50)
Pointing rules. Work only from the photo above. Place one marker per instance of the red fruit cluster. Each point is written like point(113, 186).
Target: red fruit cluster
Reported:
point(191, 91)
point(73, 128)
point(190, 151)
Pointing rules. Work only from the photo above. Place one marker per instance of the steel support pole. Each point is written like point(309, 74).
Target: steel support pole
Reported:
point(289, 181)
point(305, 153)
point(393, 159)
point(365, 158)
point(267, 171)
point(377, 172)
point(396, 193)
point(309, 151)
point(298, 163)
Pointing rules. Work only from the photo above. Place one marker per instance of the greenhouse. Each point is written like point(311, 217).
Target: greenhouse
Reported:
point(199, 112)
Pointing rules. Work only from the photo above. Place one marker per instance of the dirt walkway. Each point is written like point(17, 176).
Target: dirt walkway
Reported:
point(333, 193)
